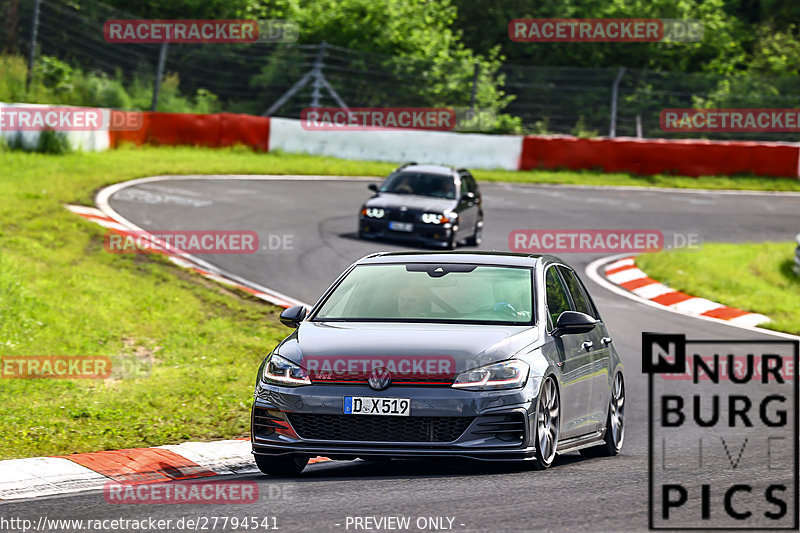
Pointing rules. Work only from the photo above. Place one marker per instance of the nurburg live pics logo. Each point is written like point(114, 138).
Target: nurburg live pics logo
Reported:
point(723, 433)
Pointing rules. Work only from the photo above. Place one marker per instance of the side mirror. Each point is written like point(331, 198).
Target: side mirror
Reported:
point(293, 316)
point(571, 322)
point(468, 196)
point(373, 187)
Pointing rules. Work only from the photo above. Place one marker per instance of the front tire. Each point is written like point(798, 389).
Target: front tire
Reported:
point(281, 465)
point(451, 242)
point(548, 425)
point(477, 237)
point(615, 423)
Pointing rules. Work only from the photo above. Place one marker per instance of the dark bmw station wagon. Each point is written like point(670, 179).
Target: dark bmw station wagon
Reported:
point(428, 204)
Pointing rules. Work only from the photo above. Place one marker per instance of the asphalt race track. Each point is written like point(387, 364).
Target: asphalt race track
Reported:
point(576, 494)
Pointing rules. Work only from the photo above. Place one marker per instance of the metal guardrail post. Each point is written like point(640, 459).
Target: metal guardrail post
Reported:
point(32, 51)
point(162, 58)
point(474, 86)
point(316, 73)
point(612, 132)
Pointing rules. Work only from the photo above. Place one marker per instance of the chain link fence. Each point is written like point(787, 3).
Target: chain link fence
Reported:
point(264, 78)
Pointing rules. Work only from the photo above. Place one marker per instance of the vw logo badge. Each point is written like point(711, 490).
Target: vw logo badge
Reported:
point(379, 378)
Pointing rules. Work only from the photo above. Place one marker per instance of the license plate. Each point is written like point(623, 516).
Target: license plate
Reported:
point(401, 226)
point(368, 405)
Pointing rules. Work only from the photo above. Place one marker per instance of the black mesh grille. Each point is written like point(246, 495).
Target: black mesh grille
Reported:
point(507, 427)
point(264, 424)
point(379, 428)
point(403, 216)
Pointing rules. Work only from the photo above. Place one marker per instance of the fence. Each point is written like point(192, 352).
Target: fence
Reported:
point(262, 79)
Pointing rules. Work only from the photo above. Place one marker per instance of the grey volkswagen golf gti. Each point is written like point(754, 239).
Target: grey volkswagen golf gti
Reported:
point(493, 356)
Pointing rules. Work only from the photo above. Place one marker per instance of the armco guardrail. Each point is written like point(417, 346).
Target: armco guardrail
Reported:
point(87, 141)
point(638, 156)
point(654, 156)
point(214, 130)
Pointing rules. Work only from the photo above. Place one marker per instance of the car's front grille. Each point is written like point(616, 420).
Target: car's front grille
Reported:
point(507, 427)
point(369, 428)
point(402, 215)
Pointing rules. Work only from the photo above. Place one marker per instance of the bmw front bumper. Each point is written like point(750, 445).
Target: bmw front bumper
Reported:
point(429, 234)
point(443, 422)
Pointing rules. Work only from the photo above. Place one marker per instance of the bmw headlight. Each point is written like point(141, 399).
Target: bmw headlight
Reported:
point(435, 218)
point(280, 371)
point(506, 375)
point(373, 212)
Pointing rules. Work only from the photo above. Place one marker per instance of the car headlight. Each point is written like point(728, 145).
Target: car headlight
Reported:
point(435, 218)
point(373, 212)
point(506, 375)
point(280, 371)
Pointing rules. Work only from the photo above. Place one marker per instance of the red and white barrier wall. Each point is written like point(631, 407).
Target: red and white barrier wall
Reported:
point(510, 152)
point(87, 141)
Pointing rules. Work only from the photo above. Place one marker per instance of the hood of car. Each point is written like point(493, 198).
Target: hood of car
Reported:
point(411, 201)
point(350, 346)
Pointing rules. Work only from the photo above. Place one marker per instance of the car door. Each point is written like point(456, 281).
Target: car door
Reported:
point(598, 348)
point(472, 185)
point(465, 209)
point(575, 364)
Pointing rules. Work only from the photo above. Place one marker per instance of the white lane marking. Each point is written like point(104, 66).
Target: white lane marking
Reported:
point(696, 306)
point(85, 210)
point(155, 198)
point(629, 274)
point(592, 272)
point(634, 188)
point(44, 476)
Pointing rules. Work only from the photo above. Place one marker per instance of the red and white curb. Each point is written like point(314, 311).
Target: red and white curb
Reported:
point(185, 260)
point(625, 274)
point(46, 476)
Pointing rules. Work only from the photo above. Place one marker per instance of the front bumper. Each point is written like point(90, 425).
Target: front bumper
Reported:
point(497, 425)
point(430, 234)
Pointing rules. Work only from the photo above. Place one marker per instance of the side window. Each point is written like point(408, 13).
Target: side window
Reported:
point(595, 313)
point(557, 300)
point(471, 185)
point(464, 186)
point(581, 305)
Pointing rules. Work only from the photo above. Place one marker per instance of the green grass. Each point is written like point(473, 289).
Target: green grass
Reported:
point(61, 294)
point(756, 277)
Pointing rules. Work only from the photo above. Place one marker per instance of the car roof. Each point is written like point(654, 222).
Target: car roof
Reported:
point(476, 258)
point(429, 169)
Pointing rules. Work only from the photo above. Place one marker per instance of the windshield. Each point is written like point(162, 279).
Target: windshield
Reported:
point(427, 292)
point(421, 184)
